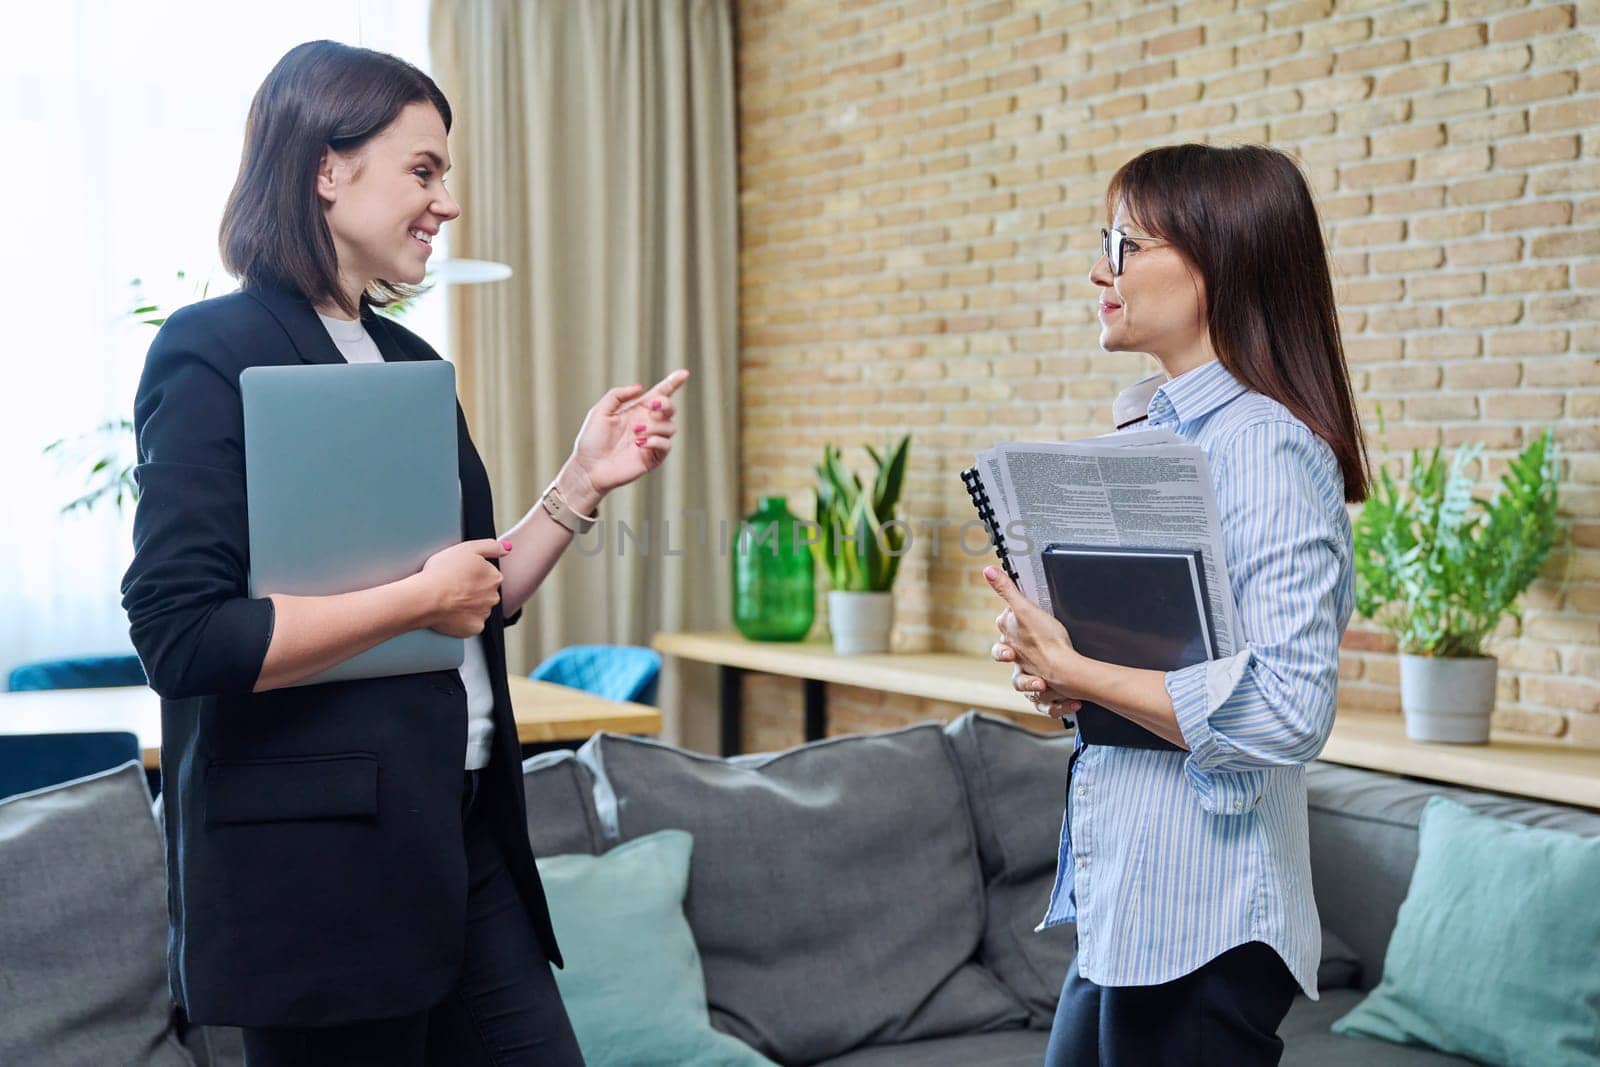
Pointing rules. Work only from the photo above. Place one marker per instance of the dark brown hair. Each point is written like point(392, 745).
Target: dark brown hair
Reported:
point(1244, 218)
point(320, 95)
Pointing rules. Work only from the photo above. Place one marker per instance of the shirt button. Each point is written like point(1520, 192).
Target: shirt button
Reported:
point(1082, 792)
point(1083, 861)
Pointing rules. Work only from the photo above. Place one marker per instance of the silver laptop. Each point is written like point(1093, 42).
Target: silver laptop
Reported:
point(352, 482)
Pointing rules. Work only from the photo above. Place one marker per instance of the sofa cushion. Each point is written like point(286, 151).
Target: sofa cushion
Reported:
point(560, 795)
point(1518, 983)
point(1007, 1048)
point(1016, 779)
point(633, 985)
point(1363, 827)
point(83, 923)
point(835, 893)
point(1308, 1041)
point(215, 1046)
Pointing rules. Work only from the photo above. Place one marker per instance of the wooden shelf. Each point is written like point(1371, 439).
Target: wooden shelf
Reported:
point(1507, 764)
point(1376, 741)
point(950, 676)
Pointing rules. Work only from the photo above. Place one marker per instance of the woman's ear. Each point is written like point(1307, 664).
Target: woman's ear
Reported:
point(1202, 310)
point(327, 175)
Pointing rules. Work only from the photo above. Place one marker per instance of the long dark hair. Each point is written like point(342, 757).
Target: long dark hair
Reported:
point(320, 95)
point(1244, 218)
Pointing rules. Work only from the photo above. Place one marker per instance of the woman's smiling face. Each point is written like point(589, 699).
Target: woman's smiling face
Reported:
point(385, 201)
point(1157, 304)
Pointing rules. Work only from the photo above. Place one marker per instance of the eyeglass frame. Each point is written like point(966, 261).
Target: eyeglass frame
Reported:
point(1113, 250)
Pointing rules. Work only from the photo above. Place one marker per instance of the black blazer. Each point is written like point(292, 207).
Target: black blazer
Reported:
point(316, 873)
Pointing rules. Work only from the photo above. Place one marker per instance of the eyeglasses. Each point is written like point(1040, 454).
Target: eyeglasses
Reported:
point(1114, 245)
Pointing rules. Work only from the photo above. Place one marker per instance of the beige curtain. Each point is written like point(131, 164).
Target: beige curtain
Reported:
point(594, 147)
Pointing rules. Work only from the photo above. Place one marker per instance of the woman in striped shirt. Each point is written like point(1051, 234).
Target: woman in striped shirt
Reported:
point(1188, 871)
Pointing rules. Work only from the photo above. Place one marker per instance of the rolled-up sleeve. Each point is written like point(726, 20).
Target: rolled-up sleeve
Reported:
point(1271, 704)
point(195, 628)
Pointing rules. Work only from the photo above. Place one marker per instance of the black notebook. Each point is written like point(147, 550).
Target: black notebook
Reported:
point(1135, 607)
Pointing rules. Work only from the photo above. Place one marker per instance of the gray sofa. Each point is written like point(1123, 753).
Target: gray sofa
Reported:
point(858, 902)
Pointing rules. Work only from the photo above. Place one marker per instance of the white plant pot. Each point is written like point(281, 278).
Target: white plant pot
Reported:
point(1447, 698)
point(860, 622)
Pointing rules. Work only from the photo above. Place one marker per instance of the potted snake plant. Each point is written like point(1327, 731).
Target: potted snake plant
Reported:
point(860, 541)
point(1438, 568)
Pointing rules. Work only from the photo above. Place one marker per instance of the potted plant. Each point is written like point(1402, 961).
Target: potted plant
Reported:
point(860, 541)
point(1438, 568)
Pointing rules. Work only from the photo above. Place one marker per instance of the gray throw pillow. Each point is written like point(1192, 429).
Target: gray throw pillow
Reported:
point(1340, 967)
point(83, 927)
point(560, 796)
point(835, 893)
point(1017, 780)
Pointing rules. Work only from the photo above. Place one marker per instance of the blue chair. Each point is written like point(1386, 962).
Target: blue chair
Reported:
point(33, 761)
point(83, 672)
point(617, 672)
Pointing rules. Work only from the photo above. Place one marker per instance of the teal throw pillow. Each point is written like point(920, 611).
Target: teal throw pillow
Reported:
point(632, 983)
point(1496, 952)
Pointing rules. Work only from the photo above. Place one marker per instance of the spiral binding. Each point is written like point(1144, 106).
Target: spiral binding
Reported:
point(980, 500)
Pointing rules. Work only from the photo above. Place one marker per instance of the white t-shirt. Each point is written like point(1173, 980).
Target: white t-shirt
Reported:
point(357, 346)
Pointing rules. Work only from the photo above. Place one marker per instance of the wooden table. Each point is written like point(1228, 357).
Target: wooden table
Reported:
point(545, 714)
point(1374, 740)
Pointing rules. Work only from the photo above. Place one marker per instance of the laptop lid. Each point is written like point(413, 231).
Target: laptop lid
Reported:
point(352, 482)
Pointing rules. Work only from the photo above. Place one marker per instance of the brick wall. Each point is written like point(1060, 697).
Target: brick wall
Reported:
point(921, 185)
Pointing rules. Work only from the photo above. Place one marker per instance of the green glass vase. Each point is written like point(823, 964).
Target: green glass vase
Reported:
point(774, 591)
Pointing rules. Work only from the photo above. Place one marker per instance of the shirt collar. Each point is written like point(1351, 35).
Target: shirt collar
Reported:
point(1132, 405)
point(1193, 394)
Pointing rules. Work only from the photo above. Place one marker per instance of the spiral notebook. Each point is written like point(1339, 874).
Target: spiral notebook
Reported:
point(981, 501)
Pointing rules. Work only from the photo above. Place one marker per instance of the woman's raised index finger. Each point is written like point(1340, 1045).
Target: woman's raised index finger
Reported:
point(670, 384)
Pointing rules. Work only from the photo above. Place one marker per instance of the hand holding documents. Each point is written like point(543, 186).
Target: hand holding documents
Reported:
point(1134, 567)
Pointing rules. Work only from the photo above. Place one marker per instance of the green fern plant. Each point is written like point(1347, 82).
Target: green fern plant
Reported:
point(860, 541)
point(1437, 567)
point(108, 452)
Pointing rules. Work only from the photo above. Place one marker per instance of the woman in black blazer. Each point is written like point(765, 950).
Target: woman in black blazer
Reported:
point(344, 884)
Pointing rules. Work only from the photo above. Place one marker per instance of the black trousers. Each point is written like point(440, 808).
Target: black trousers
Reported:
point(505, 1010)
point(1226, 1013)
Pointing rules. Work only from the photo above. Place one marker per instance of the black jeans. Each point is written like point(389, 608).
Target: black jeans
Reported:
point(1226, 1013)
point(505, 1010)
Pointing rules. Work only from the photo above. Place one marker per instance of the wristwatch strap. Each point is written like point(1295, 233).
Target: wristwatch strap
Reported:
point(556, 506)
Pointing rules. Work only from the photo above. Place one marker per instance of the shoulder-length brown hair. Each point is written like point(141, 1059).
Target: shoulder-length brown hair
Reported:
point(1244, 218)
point(320, 95)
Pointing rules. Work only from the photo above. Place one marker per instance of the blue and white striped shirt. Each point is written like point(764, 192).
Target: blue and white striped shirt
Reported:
point(1170, 858)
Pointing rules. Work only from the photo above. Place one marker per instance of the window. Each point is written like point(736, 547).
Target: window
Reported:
point(121, 126)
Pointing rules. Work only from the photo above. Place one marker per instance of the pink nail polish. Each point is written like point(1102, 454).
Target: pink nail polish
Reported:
point(506, 545)
point(638, 440)
point(639, 428)
point(655, 405)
